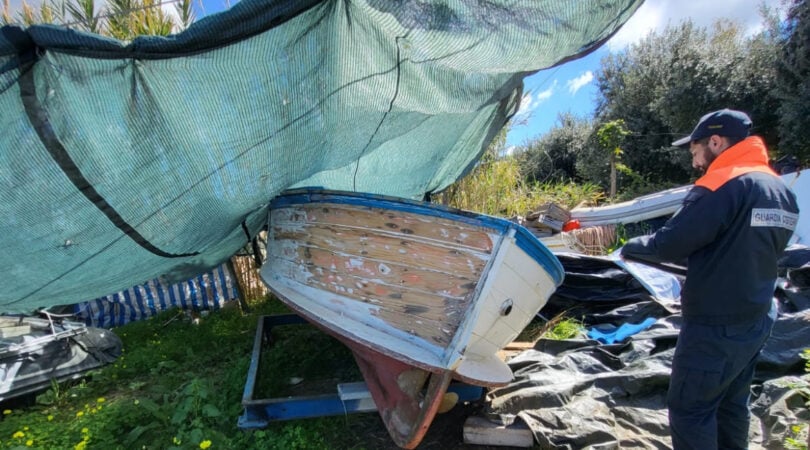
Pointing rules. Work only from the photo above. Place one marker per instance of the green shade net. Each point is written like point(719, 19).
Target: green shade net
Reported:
point(123, 162)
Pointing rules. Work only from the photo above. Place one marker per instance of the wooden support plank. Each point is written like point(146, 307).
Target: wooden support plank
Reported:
point(480, 431)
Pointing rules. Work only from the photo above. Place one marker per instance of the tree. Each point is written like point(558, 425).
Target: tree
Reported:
point(611, 136)
point(121, 19)
point(664, 83)
point(793, 83)
point(553, 157)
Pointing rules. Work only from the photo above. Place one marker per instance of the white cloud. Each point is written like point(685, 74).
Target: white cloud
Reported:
point(545, 95)
point(657, 14)
point(531, 101)
point(579, 82)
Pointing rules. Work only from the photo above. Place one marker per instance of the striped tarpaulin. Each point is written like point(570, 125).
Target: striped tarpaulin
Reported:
point(205, 292)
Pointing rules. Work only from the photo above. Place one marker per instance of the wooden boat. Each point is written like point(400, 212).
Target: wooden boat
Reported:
point(421, 294)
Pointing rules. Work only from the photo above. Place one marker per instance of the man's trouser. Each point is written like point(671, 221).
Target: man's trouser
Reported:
point(711, 383)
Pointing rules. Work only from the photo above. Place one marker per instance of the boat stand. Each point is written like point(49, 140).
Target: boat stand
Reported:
point(348, 398)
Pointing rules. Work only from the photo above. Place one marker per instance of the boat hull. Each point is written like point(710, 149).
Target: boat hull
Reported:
point(421, 293)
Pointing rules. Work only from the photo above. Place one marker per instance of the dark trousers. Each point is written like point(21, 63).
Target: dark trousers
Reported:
point(711, 383)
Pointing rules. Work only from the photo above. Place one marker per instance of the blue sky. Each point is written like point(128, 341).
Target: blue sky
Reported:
point(571, 87)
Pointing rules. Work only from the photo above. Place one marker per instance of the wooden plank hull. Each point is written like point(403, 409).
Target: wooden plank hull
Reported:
point(419, 292)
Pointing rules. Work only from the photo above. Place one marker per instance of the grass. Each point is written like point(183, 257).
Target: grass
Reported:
point(178, 385)
point(497, 188)
point(558, 328)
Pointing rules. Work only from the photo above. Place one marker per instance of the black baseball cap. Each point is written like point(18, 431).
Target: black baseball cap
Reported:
point(726, 122)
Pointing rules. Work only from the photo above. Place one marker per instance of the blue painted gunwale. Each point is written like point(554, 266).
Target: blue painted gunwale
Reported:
point(525, 240)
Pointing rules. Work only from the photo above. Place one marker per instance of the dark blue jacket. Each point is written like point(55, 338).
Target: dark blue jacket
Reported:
point(734, 225)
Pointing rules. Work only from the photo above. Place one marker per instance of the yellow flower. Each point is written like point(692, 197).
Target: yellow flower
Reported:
point(176, 441)
point(80, 413)
point(29, 443)
point(205, 444)
point(18, 435)
point(25, 428)
point(50, 417)
point(80, 446)
point(85, 430)
point(101, 400)
point(6, 412)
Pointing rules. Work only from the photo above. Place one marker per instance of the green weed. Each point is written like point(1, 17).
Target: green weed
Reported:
point(177, 385)
point(558, 328)
point(565, 328)
point(497, 188)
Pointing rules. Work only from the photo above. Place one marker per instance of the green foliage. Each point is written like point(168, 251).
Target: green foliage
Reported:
point(565, 328)
point(497, 188)
point(793, 83)
point(664, 83)
point(83, 12)
point(554, 156)
point(568, 195)
point(186, 13)
point(131, 18)
point(797, 438)
point(610, 137)
point(176, 386)
point(494, 188)
point(633, 184)
point(121, 19)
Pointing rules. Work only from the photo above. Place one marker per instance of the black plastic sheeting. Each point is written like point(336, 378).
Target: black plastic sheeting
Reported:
point(580, 393)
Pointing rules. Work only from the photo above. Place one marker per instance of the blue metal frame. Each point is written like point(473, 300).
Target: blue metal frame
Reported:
point(259, 413)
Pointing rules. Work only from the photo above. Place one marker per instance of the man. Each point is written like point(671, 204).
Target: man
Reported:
point(732, 228)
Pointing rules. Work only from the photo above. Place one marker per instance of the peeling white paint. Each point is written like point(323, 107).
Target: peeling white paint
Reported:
point(355, 262)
